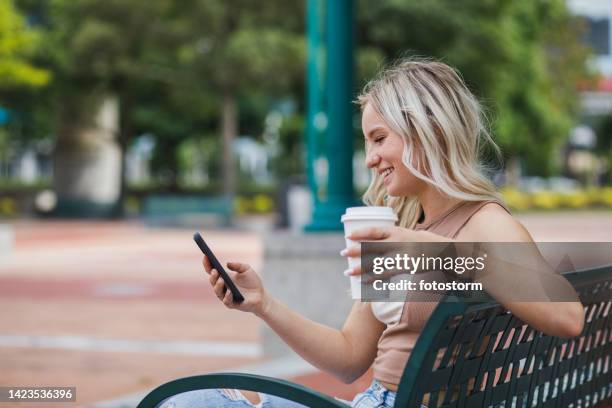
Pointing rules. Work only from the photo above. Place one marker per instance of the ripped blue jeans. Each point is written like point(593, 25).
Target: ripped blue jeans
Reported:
point(376, 396)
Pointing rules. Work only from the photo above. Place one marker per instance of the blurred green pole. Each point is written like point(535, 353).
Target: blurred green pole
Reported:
point(339, 140)
point(314, 92)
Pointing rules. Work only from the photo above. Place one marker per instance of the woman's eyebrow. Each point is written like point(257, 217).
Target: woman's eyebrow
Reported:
point(374, 129)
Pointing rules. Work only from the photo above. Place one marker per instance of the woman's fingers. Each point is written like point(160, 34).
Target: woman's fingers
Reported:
point(228, 299)
point(354, 271)
point(372, 233)
point(354, 251)
point(238, 266)
point(213, 277)
point(219, 288)
point(206, 263)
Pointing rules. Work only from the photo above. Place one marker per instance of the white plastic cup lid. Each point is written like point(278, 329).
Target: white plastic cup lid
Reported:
point(368, 213)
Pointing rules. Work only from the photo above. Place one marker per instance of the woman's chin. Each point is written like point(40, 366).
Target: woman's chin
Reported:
point(392, 192)
point(398, 191)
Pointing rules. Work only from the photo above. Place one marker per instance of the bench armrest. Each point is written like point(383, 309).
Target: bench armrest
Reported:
point(250, 382)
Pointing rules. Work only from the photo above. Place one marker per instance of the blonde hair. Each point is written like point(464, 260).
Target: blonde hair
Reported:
point(429, 105)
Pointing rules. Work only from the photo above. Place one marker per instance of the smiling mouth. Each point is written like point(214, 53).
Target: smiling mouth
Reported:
point(386, 172)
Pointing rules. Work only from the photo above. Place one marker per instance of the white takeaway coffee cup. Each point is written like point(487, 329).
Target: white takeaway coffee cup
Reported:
point(363, 217)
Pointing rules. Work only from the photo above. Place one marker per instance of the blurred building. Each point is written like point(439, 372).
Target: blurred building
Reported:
point(596, 102)
point(597, 16)
point(253, 159)
point(137, 160)
point(27, 164)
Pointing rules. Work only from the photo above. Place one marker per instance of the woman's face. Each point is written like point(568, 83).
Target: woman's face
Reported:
point(384, 150)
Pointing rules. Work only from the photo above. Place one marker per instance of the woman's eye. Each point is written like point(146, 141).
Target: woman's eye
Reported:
point(379, 139)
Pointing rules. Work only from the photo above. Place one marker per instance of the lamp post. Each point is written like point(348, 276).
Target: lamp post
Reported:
point(315, 98)
point(339, 109)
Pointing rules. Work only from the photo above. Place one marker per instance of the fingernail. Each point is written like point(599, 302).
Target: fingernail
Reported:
point(343, 252)
point(348, 272)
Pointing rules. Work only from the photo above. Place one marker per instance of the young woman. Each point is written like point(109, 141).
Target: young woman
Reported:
point(423, 131)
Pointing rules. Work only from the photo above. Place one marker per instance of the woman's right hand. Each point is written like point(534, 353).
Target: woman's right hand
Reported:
point(248, 282)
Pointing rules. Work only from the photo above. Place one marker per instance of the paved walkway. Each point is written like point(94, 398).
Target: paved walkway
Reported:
point(115, 309)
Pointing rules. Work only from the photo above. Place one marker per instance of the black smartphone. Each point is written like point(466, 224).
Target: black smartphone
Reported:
point(229, 283)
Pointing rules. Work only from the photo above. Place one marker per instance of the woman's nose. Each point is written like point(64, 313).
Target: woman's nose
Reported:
point(372, 159)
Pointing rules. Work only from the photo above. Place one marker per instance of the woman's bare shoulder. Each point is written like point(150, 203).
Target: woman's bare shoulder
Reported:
point(492, 223)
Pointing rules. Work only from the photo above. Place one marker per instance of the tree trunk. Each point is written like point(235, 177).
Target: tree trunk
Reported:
point(229, 130)
point(513, 171)
point(125, 134)
point(87, 157)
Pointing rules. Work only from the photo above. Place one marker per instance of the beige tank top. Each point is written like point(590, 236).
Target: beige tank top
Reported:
point(405, 320)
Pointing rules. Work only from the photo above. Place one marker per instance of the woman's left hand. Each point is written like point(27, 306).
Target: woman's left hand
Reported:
point(385, 234)
point(390, 234)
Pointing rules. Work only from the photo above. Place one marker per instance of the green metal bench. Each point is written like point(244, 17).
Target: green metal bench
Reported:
point(168, 209)
point(477, 355)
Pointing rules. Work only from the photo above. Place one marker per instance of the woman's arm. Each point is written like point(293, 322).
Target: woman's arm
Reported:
point(493, 224)
point(345, 353)
point(563, 319)
point(560, 319)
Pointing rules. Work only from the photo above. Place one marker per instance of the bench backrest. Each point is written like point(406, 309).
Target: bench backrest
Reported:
point(479, 354)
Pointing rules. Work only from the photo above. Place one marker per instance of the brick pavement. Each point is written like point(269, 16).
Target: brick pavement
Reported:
point(99, 281)
point(105, 281)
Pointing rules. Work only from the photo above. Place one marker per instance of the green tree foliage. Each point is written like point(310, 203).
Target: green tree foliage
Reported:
point(291, 161)
point(18, 42)
point(522, 58)
point(211, 69)
point(22, 77)
point(238, 44)
point(178, 68)
point(109, 43)
point(241, 46)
